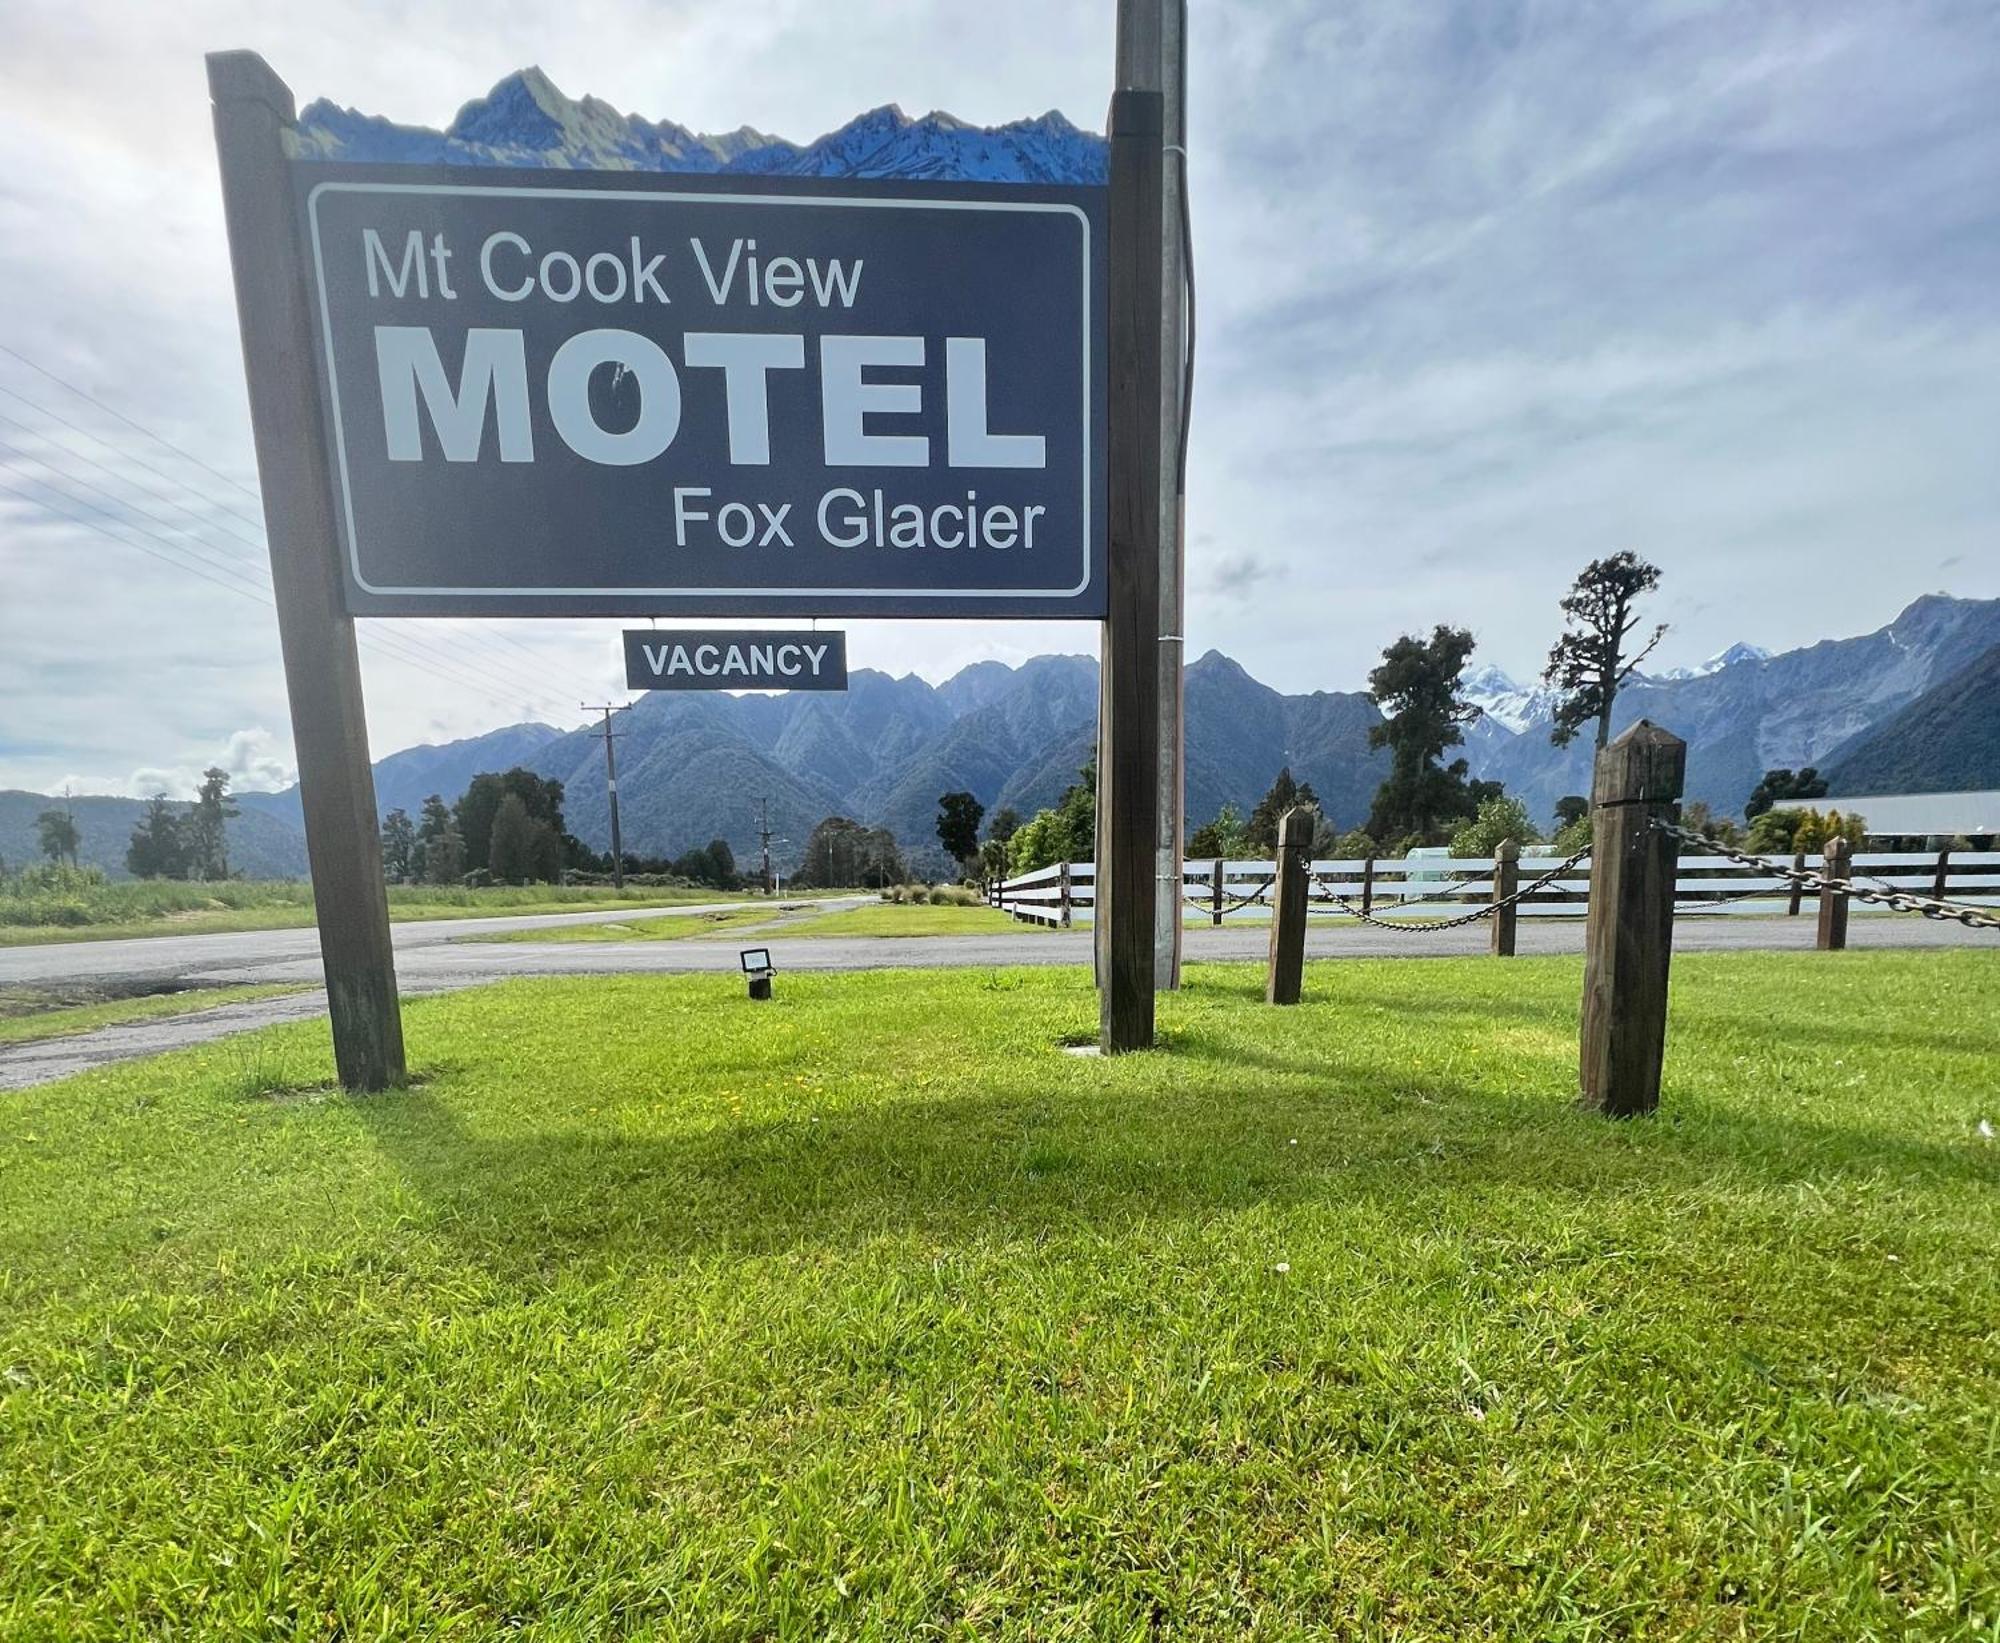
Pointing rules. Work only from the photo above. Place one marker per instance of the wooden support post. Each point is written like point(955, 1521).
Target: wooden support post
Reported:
point(254, 113)
point(1368, 886)
point(1215, 881)
point(1128, 788)
point(1629, 939)
point(1941, 880)
point(1838, 869)
point(1506, 880)
point(1288, 908)
point(1798, 866)
point(1062, 893)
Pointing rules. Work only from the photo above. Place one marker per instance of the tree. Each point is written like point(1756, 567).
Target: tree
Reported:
point(1261, 831)
point(440, 853)
point(840, 852)
point(958, 818)
point(1588, 663)
point(511, 843)
point(479, 805)
point(1783, 831)
point(1003, 823)
point(993, 859)
point(726, 875)
point(1222, 839)
point(1499, 819)
point(157, 849)
point(399, 847)
point(205, 828)
point(1569, 808)
point(59, 836)
point(1698, 817)
point(1418, 689)
point(1781, 785)
point(1068, 832)
point(1354, 845)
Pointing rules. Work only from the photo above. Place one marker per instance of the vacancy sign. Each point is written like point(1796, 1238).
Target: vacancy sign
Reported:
point(596, 393)
point(734, 659)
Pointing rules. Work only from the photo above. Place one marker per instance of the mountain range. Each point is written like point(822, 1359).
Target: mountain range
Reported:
point(1909, 706)
point(526, 120)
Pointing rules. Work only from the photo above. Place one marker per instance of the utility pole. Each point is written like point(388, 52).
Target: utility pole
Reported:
point(1152, 56)
point(611, 785)
point(764, 839)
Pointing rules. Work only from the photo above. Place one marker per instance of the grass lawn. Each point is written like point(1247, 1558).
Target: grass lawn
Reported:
point(32, 1013)
point(153, 907)
point(868, 1312)
point(907, 919)
point(674, 927)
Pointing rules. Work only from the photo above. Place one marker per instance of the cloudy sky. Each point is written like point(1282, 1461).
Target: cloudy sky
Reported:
point(1488, 289)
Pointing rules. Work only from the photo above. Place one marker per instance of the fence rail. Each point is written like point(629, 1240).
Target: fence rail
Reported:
point(1221, 892)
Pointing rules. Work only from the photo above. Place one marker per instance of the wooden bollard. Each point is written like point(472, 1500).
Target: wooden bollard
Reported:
point(1798, 866)
point(1062, 891)
point(1368, 886)
point(1288, 908)
point(1629, 939)
point(1833, 903)
point(1215, 892)
point(1941, 879)
point(1506, 880)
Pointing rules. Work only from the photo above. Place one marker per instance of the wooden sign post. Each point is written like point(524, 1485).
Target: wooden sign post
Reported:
point(1286, 974)
point(1629, 940)
point(1128, 793)
point(253, 112)
point(1506, 880)
point(1838, 868)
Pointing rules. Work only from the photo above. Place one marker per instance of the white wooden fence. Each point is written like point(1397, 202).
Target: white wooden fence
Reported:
point(1223, 892)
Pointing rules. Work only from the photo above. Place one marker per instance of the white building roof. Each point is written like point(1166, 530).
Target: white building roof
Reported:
point(1944, 814)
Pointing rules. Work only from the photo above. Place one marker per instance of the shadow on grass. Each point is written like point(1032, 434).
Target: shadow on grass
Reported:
point(1023, 1160)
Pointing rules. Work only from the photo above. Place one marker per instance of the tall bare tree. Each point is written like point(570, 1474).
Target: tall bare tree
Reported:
point(1589, 663)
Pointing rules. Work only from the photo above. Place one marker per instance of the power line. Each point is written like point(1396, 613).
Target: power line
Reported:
point(192, 559)
point(510, 688)
point(393, 644)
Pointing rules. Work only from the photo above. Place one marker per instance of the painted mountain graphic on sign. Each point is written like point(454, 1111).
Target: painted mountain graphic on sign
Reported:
point(526, 120)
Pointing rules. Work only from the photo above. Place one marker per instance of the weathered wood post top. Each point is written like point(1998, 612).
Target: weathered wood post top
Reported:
point(1628, 944)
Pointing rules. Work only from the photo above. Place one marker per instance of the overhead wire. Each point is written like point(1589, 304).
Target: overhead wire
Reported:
point(402, 645)
point(253, 582)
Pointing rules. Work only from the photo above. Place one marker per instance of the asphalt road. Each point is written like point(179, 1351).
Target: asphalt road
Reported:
point(429, 959)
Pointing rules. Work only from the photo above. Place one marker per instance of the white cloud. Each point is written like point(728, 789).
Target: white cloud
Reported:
point(1485, 291)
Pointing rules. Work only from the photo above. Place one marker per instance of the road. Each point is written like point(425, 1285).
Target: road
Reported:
point(430, 959)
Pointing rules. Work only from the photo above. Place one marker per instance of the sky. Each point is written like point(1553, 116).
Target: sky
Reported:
point(1488, 288)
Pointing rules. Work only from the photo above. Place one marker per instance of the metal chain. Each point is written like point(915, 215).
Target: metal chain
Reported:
point(1346, 905)
point(1803, 879)
point(1202, 904)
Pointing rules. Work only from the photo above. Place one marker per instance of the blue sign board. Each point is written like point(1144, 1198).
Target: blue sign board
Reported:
point(592, 393)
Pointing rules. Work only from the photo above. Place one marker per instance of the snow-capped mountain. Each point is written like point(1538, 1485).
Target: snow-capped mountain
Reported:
point(1738, 652)
point(1513, 707)
point(526, 120)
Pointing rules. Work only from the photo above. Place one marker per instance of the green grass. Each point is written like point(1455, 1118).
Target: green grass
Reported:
point(674, 927)
point(869, 1313)
point(29, 1013)
point(905, 919)
point(152, 907)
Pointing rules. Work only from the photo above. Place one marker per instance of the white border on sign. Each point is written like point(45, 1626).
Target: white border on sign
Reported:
point(623, 590)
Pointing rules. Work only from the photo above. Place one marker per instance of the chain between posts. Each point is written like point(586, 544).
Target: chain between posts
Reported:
point(1345, 904)
point(1230, 904)
point(1818, 883)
